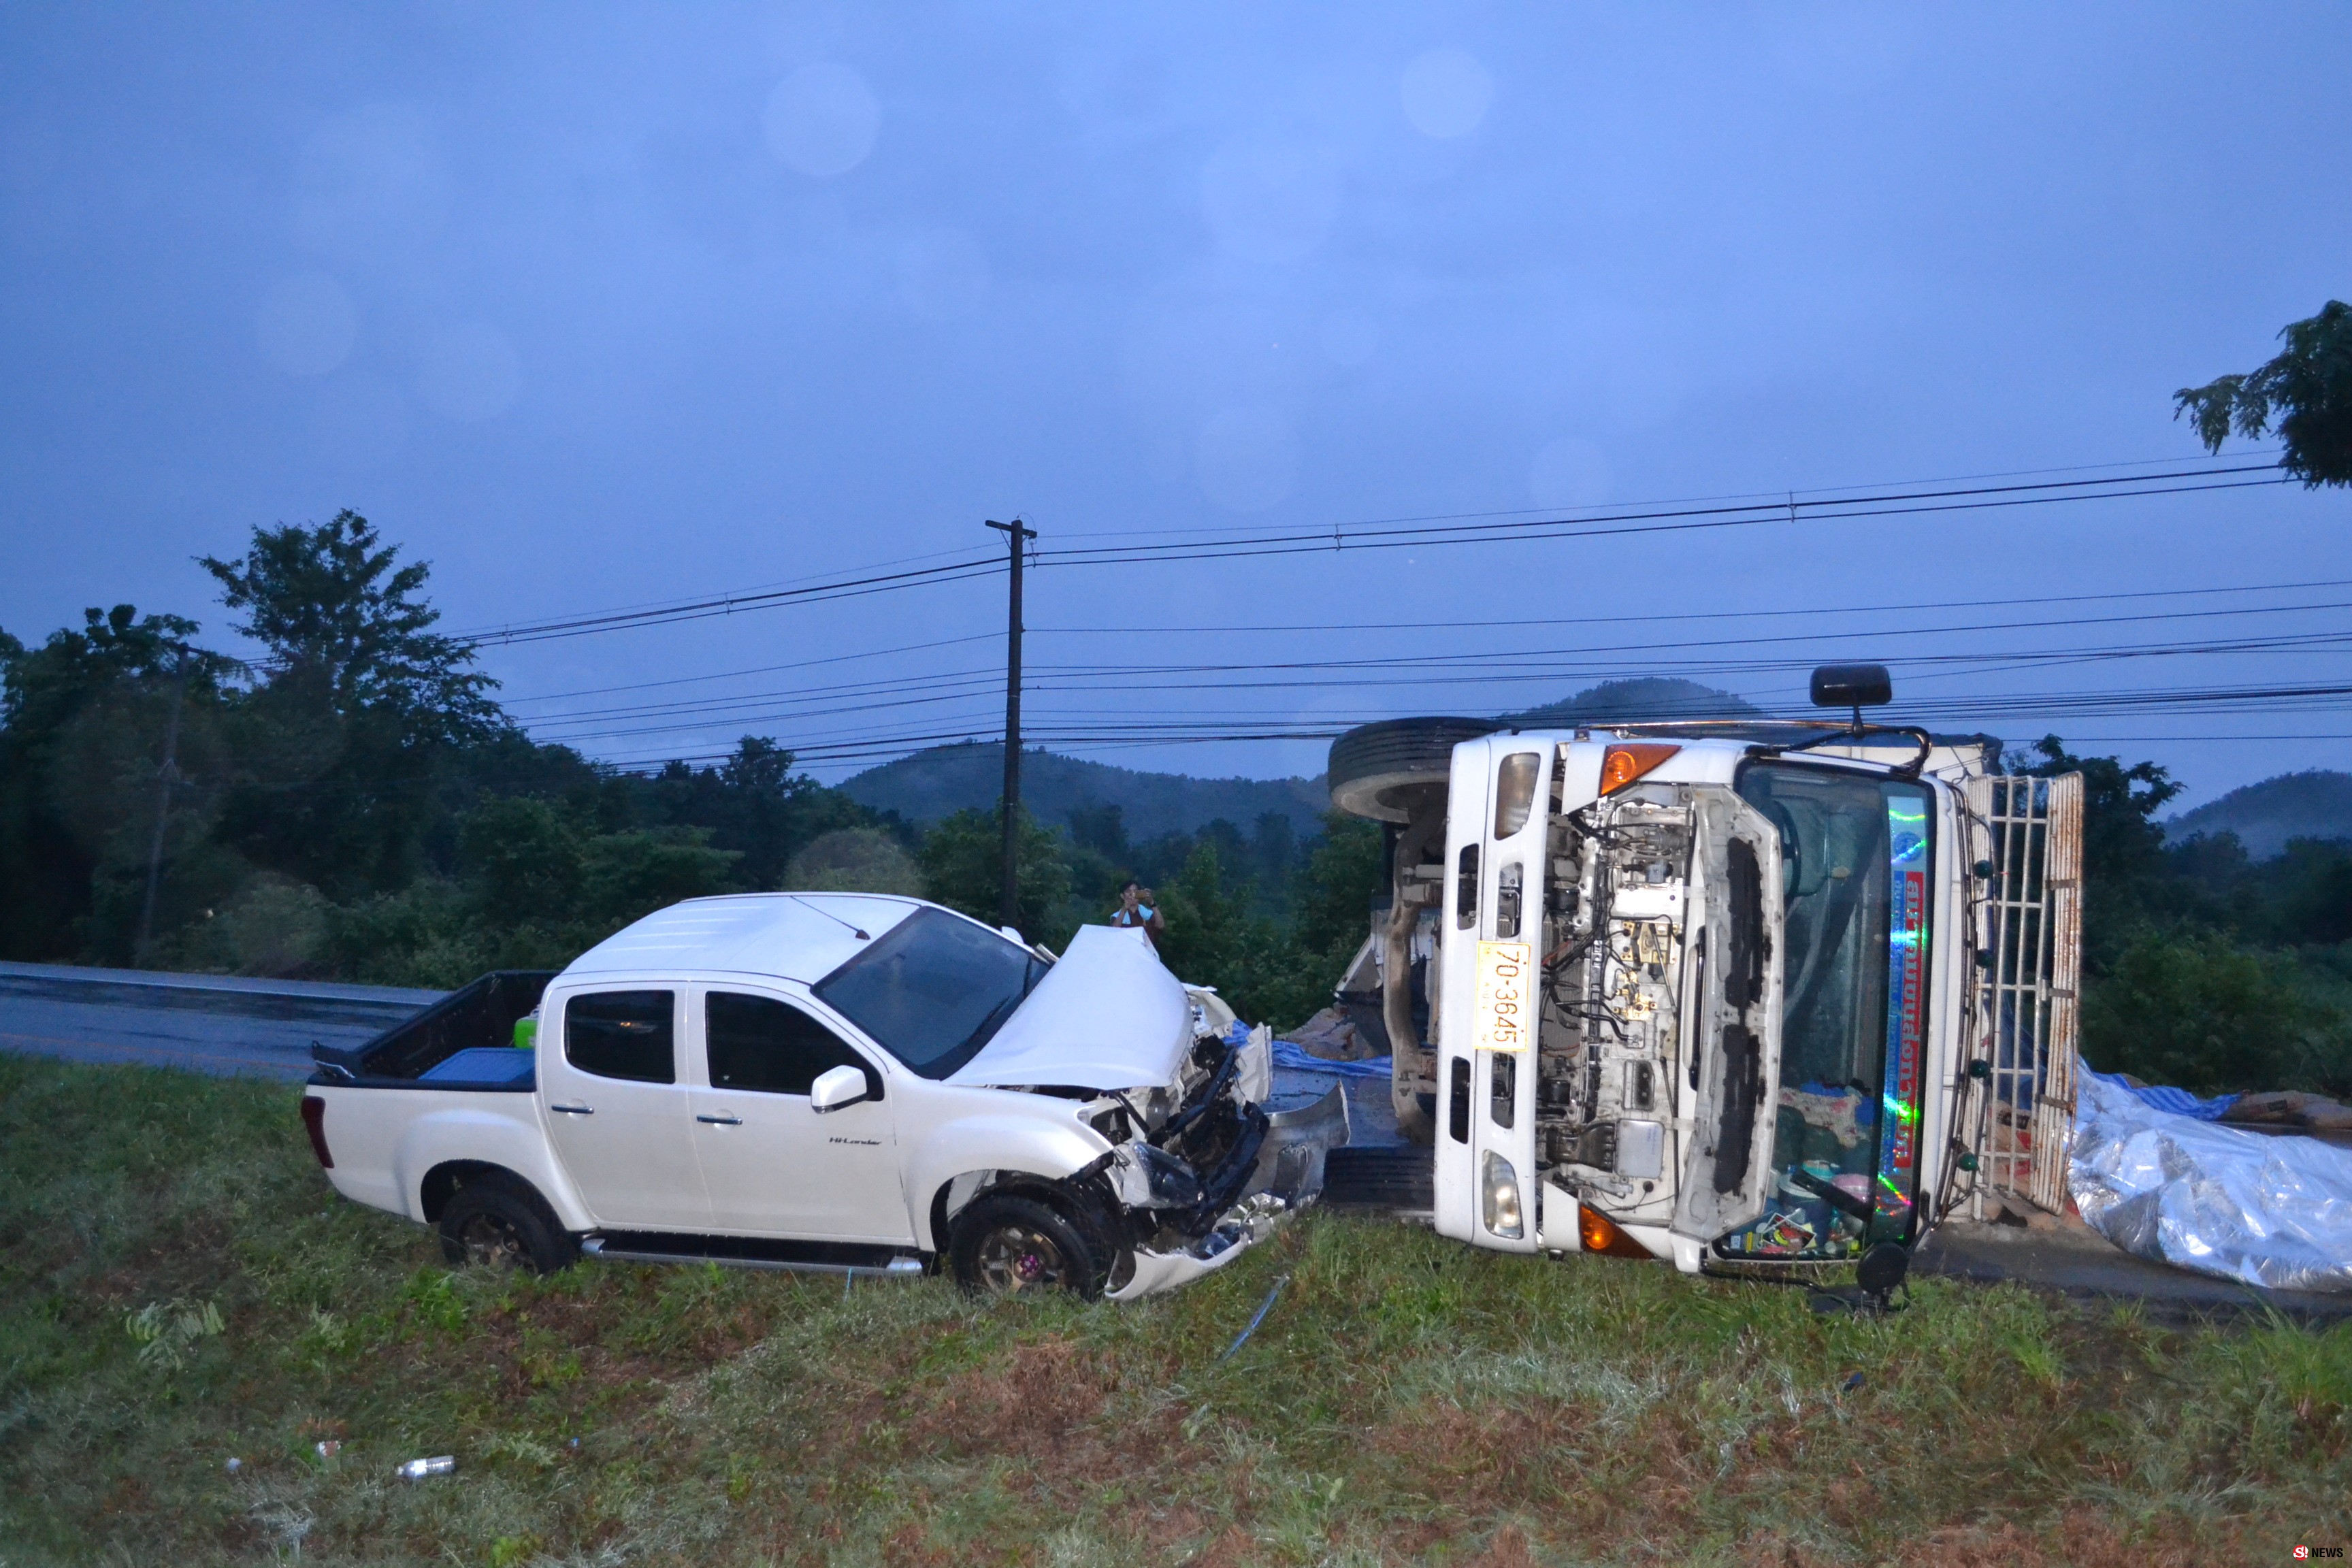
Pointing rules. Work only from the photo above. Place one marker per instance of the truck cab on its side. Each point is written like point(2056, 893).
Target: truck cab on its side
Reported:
point(1676, 994)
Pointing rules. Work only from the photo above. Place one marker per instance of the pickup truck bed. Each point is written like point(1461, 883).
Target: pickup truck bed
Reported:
point(466, 1040)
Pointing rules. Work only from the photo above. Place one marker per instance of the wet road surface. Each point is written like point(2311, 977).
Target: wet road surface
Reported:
point(201, 1022)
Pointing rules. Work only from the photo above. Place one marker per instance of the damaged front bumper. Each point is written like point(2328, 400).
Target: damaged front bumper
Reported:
point(1286, 1174)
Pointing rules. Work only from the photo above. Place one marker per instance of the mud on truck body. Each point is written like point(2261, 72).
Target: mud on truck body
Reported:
point(1750, 998)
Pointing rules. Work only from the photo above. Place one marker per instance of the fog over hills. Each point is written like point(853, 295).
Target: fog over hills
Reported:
point(2316, 803)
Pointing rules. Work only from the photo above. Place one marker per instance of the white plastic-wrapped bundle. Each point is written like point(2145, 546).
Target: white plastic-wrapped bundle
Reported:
point(2267, 1211)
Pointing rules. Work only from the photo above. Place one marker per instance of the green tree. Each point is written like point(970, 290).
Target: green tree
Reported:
point(522, 860)
point(753, 803)
point(962, 860)
point(2308, 388)
point(2195, 1009)
point(855, 860)
point(1336, 892)
point(1330, 909)
point(361, 709)
point(333, 605)
point(2125, 872)
point(87, 722)
point(1207, 936)
point(626, 876)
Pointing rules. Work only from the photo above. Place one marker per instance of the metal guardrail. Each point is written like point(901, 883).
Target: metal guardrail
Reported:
point(217, 993)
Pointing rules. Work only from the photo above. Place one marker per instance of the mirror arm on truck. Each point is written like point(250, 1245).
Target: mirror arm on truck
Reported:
point(1910, 770)
point(1735, 729)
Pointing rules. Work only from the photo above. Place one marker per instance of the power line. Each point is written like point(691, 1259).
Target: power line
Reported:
point(1959, 709)
point(719, 705)
point(1449, 659)
point(756, 670)
point(799, 706)
point(740, 595)
point(1227, 632)
point(1777, 499)
point(1709, 615)
point(1685, 519)
point(728, 604)
point(1524, 666)
point(1638, 520)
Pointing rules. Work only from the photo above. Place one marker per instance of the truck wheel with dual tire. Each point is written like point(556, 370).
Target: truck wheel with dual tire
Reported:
point(1384, 771)
point(499, 1220)
point(1010, 1244)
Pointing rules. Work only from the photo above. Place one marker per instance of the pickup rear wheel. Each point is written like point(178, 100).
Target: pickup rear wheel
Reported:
point(1007, 1245)
point(499, 1222)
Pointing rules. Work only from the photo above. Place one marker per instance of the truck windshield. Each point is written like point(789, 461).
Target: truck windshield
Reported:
point(1855, 856)
point(933, 989)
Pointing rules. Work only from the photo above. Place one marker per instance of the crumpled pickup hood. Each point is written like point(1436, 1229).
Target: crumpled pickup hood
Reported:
point(1107, 1015)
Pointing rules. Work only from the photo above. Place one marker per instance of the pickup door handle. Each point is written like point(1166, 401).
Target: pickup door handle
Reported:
point(574, 1110)
point(721, 1121)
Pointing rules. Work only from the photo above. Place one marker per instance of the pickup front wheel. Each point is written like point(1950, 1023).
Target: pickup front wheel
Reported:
point(1008, 1245)
point(498, 1222)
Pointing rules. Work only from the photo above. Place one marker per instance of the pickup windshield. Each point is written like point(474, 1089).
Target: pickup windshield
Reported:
point(933, 989)
point(1854, 852)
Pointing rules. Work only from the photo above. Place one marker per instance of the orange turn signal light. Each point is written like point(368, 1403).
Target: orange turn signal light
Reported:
point(1599, 1234)
point(1621, 765)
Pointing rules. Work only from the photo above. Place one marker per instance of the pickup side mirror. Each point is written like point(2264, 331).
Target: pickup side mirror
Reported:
point(835, 1087)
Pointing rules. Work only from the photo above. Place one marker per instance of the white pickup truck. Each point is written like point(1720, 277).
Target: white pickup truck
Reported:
point(830, 1081)
point(1755, 998)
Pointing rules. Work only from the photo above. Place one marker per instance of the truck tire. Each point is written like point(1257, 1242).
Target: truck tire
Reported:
point(1374, 769)
point(497, 1221)
point(1005, 1245)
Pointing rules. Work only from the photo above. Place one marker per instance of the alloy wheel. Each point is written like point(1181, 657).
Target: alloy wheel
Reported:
point(1016, 1257)
point(493, 1241)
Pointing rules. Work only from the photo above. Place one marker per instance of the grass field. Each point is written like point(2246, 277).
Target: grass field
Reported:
point(179, 1287)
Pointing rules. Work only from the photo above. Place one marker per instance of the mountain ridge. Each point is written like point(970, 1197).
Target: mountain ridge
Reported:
point(928, 785)
point(2315, 802)
point(933, 783)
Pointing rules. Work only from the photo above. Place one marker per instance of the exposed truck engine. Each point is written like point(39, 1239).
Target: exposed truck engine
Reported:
point(1705, 993)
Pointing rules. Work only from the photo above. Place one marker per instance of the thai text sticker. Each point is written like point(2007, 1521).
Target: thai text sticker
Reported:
point(1505, 1022)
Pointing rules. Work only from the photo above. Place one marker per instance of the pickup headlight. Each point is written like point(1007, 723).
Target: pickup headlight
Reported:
point(1500, 1193)
point(1148, 1178)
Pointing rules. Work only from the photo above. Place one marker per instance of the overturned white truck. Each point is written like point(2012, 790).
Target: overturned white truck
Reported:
point(1754, 998)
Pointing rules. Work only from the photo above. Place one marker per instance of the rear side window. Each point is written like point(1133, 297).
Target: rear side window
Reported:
point(621, 1034)
point(759, 1043)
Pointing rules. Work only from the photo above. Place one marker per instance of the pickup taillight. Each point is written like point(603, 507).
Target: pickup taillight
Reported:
point(314, 1122)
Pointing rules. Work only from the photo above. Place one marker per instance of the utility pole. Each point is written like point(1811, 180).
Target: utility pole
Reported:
point(1015, 535)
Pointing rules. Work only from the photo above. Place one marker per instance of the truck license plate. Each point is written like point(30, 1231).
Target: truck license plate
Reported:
point(1504, 1020)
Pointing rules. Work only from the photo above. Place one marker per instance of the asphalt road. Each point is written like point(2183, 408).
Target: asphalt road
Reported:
point(201, 1022)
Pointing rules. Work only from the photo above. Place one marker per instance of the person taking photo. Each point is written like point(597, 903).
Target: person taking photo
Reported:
point(1138, 908)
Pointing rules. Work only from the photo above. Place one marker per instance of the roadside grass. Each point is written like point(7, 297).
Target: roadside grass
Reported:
point(178, 1286)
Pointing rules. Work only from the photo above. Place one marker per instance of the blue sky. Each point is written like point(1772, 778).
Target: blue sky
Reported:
point(599, 306)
